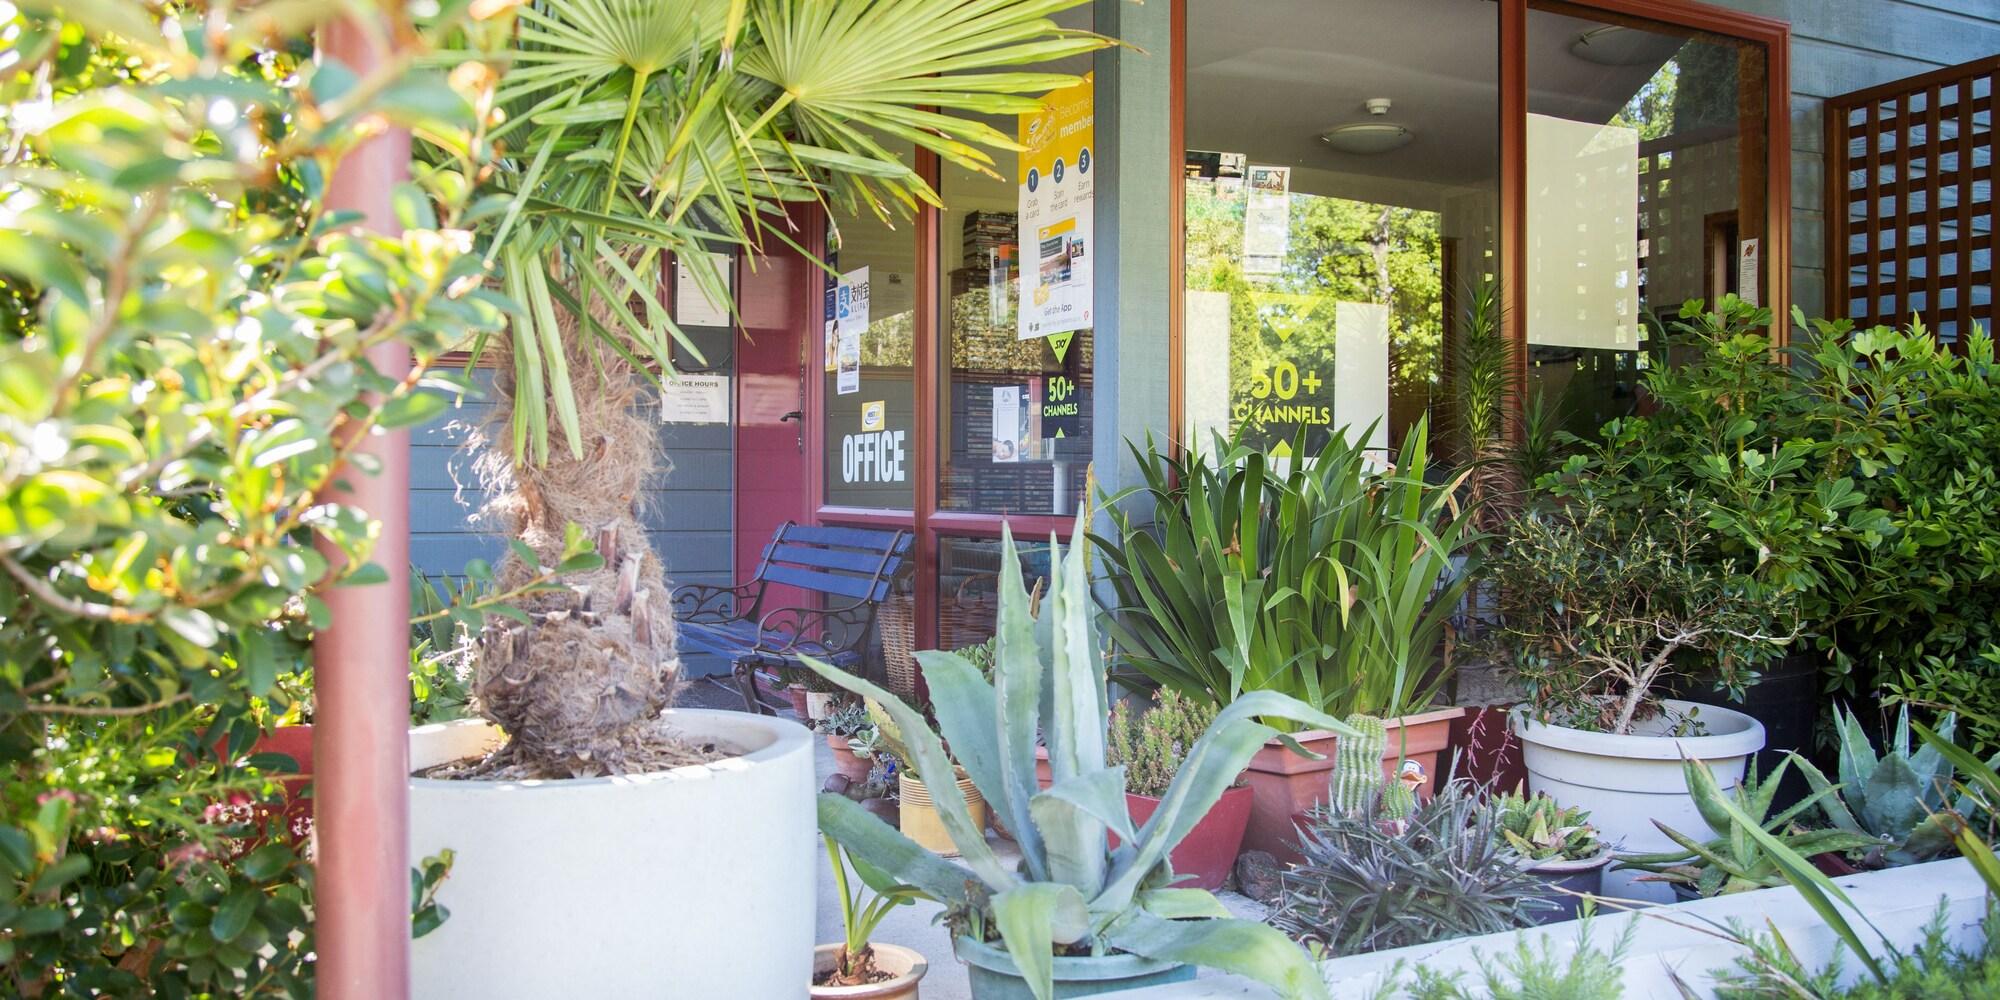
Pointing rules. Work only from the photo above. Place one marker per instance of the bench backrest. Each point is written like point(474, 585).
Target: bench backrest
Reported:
point(859, 564)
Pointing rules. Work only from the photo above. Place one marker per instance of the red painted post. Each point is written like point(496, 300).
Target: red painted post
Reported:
point(361, 664)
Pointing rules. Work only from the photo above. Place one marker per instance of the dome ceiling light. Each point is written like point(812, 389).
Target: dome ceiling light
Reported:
point(1367, 138)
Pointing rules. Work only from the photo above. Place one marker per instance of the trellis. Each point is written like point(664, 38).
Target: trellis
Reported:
point(1910, 211)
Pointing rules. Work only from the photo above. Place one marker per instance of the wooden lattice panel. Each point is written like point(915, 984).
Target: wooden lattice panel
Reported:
point(1910, 212)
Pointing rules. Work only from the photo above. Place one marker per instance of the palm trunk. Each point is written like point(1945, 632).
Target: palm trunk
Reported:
point(580, 686)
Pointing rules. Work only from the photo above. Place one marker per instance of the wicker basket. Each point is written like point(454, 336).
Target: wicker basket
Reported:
point(896, 620)
point(967, 618)
point(970, 616)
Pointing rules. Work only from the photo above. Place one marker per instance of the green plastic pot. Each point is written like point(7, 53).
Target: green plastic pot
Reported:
point(995, 977)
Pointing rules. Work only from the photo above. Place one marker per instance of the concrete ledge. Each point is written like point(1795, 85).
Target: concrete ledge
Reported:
point(1670, 939)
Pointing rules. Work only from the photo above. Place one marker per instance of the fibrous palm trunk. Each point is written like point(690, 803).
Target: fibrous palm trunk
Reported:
point(579, 687)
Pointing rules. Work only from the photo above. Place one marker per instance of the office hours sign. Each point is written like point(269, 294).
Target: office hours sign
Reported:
point(1058, 177)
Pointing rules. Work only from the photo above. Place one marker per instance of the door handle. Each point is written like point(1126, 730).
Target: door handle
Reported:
point(798, 415)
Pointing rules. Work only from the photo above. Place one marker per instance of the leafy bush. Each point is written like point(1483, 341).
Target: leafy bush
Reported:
point(1331, 583)
point(1598, 607)
point(186, 381)
point(1152, 746)
point(1367, 885)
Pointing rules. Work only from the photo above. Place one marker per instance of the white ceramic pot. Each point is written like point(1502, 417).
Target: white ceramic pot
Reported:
point(694, 882)
point(819, 705)
point(1627, 782)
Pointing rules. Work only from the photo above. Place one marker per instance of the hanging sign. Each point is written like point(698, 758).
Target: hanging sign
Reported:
point(1057, 205)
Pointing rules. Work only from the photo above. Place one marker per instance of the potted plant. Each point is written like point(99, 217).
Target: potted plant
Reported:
point(1557, 845)
point(844, 727)
point(1151, 748)
point(639, 136)
point(917, 813)
point(1071, 917)
point(1735, 860)
point(856, 968)
point(1331, 582)
point(1595, 611)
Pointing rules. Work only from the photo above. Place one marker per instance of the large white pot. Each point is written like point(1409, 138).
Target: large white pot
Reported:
point(694, 882)
point(1627, 782)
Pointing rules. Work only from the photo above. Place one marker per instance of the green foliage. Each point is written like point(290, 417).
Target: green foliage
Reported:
point(1151, 747)
point(1540, 830)
point(426, 913)
point(1970, 682)
point(1899, 798)
point(847, 718)
point(1933, 970)
point(1368, 885)
point(1585, 972)
point(862, 909)
point(1332, 583)
point(1357, 783)
point(185, 380)
point(1068, 892)
point(1598, 608)
point(1737, 861)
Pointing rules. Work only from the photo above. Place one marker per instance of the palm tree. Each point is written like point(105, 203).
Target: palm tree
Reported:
point(644, 128)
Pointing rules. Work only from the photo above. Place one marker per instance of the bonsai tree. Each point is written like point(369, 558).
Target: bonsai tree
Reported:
point(643, 130)
point(1598, 609)
point(184, 373)
point(1069, 894)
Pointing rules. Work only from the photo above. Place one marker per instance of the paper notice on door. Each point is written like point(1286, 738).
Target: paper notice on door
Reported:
point(848, 378)
point(1267, 220)
point(850, 302)
point(693, 306)
point(695, 399)
point(1748, 269)
point(1008, 436)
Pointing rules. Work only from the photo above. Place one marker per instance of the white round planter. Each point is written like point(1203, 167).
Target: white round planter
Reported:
point(1627, 782)
point(694, 882)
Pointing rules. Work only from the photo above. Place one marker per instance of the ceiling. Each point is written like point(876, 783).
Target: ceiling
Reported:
point(1267, 77)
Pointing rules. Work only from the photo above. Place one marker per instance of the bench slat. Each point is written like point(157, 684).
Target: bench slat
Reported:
point(850, 538)
point(859, 588)
point(841, 559)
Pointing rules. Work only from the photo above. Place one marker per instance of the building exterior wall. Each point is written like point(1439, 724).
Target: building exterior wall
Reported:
point(1844, 45)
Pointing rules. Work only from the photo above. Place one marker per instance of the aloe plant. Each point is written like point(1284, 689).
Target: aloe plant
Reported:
point(1897, 797)
point(1331, 582)
point(1540, 830)
point(1069, 891)
point(1739, 860)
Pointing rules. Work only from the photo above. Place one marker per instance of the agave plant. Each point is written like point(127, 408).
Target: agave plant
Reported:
point(1540, 830)
point(1069, 891)
point(1739, 860)
point(1331, 583)
point(1897, 797)
point(637, 129)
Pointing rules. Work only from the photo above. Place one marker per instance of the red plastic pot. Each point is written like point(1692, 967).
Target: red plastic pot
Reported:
point(1208, 852)
point(1286, 786)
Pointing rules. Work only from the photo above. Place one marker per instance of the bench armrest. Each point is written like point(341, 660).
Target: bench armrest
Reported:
point(704, 602)
point(782, 629)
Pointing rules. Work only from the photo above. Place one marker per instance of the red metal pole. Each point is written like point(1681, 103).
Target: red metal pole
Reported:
point(361, 664)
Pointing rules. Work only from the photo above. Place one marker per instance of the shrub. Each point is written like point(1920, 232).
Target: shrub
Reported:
point(186, 383)
point(1528, 973)
point(1933, 970)
point(1366, 885)
point(1152, 746)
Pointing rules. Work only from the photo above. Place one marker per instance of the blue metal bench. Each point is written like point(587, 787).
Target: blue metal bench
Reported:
point(852, 569)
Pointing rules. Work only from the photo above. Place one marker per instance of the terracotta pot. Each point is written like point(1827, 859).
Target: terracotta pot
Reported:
point(846, 761)
point(1285, 786)
point(796, 694)
point(918, 817)
point(1209, 850)
point(905, 966)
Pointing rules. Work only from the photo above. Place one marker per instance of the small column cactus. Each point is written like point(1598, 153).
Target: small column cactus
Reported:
point(1357, 767)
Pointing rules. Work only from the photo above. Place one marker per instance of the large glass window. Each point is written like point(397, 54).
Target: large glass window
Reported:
point(869, 326)
point(1341, 213)
point(1017, 254)
point(1647, 186)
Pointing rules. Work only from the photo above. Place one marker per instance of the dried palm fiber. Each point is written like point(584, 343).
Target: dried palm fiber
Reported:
point(579, 688)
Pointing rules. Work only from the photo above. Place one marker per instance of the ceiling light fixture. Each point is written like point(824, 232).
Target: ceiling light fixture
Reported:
point(1367, 138)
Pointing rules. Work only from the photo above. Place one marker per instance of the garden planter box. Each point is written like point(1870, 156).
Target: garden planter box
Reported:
point(1628, 782)
point(1285, 786)
point(1209, 850)
point(697, 881)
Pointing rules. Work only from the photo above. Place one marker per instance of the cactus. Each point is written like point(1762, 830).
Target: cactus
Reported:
point(1357, 768)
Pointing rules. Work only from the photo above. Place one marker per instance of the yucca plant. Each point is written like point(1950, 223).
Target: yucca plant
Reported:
point(1331, 582)
point(635, 131)
point(1069, 893)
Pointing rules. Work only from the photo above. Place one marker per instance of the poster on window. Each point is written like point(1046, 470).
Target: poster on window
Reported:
point(850, 302)
point(1014, 436)
point(1267, 219)
point(1057, 179)
point(848, 378)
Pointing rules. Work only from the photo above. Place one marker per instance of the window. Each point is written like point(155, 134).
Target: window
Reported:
point(870, 331)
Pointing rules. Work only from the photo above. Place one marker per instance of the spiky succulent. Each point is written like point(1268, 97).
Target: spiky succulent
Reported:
point(1069, 891)
point(1540, 830)
point(1736, 861)
point(1899, 798)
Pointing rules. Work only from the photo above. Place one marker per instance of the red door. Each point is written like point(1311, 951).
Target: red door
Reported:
point(772, 477)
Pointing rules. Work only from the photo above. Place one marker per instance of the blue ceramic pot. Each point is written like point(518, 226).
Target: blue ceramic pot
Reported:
point(995, 977)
